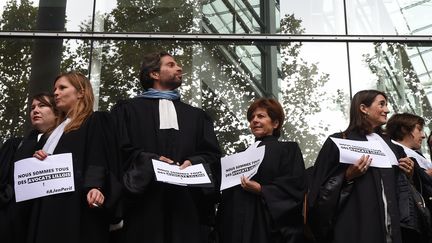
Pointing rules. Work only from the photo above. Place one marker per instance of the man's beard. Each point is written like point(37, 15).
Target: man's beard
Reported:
point(172, 84)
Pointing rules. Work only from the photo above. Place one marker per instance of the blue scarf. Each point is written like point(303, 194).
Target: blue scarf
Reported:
point(158, 94)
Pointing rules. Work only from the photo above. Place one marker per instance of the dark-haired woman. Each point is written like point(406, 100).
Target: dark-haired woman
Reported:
point(406, 130)
point(358, 203)
point(429, 144)
point(81, 215)
point(268, 206)
point(43, 117)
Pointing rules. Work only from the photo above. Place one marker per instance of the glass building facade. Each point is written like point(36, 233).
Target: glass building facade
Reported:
point(310, 55)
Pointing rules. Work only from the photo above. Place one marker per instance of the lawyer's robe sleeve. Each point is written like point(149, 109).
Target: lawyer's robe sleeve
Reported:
point(103, 169)
point(284, 195)
point(7, 153)
point(135, 162)
point(327, 188)
point(208, 150)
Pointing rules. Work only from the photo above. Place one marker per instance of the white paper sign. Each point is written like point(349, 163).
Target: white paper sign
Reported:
point(34, 178)
point(245, 163)
point(422, 161)
point(352, 150)
point(191, 175)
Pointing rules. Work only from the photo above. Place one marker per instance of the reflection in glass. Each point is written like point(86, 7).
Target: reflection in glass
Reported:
point(16, 72)
point(393, 17)
point(216, 79)
point(317, 17)
point(77, 13)
point(150, 16)
point(230, 17)
point(395, 68)
point(400, 70)
point(60, 15)
point(222, 80)
point(315, 93)
point(17, 16)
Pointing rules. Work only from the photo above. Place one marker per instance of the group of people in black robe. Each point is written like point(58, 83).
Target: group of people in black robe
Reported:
point(118, 199)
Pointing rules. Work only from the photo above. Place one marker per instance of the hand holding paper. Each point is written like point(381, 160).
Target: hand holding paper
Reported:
point(245, 164)
point(351, 150)
point(250, 185)
point(40, 154)
point(193, 174)
point(359, 168)
point(34, 178)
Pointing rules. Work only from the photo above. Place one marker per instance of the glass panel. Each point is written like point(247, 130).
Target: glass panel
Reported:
point(79, 14)
point(191, 16)
point(59, 15)
point(217, 78)
point(26, 68)
point(392, 17)
point(315, 93)
point(15, 72)
point(316, 17)
point(150, 16)
point(395, 69)
point(224, 80)
point(17, 16)
point(232, 17)
point(412, 10)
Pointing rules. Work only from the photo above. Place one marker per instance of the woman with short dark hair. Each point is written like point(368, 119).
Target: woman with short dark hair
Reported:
point(268, 206)
point(402, 126)
point(406, 130)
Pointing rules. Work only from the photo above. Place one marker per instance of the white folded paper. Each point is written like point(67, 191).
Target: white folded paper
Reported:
point(351, 150)
point(422, 161)
point(245, 163)
point(191, 175)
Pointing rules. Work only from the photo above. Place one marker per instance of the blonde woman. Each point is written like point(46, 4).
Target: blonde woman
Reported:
point(81, 215)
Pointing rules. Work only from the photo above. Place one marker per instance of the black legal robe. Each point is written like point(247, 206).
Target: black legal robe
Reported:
point(66, 217)
point(14, 216)
point(275, 215)
point(7, 153)
point(153, 211)
point(355, 211)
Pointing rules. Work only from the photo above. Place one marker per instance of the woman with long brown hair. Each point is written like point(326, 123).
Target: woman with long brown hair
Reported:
point(358, 202)
point(81, 215)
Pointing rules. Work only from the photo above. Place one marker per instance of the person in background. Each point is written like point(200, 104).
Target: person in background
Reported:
point(429, 144)
point(266, 208)
point(13, 216)
point(406, 130)
point(356, 202)
point(84, 214)
point(157, 125)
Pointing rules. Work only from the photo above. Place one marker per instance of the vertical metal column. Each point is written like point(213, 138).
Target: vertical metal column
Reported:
point(95, 62)
point(348, 49)
point(269, 58)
